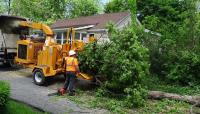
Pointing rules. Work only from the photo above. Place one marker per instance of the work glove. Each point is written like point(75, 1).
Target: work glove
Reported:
point(62, 91)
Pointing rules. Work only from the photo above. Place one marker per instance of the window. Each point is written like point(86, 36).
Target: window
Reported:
point(59, 37)
point(77, 36)
point(91, 35)
point(84, 36)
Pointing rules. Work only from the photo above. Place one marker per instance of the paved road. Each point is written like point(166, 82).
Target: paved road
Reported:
point(23, 89)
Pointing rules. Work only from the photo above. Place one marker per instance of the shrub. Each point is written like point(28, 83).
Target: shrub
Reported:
point(123, 61)
point(175, 65)
point(185, 70)
point(4, 93)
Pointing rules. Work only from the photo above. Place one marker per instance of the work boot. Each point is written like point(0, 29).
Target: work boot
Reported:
point(72, 94)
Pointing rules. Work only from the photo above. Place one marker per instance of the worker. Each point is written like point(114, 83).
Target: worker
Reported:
point(72, 68)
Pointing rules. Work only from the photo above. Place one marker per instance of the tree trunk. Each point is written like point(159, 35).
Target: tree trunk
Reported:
point(161, 95)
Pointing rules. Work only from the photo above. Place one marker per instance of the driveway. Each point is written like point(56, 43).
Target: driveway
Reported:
point(23, 89)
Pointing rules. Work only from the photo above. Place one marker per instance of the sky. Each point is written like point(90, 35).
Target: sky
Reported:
point(105, 1)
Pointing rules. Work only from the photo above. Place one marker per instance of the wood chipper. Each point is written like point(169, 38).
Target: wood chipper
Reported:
point(45, 56)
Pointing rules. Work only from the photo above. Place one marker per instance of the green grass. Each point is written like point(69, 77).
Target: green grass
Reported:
point(90, 99)
point(13, 107)
point(155, 84)
point(116, 106)
point(164, 107)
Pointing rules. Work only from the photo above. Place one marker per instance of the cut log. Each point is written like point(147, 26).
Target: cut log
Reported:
point(162, 95)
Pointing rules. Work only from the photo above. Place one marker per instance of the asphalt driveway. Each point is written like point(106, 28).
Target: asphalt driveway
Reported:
point(23, 89)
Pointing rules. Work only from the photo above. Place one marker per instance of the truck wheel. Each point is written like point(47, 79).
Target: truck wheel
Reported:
point(38, 77)
point(10, 63)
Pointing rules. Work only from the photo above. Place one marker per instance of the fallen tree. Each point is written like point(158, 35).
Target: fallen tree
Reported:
point(194, 100)
point(162, 95)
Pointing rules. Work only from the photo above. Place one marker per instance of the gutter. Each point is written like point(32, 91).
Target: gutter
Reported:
point(79, 28)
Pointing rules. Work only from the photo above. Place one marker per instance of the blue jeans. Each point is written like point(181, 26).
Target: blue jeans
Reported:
point(69, 82)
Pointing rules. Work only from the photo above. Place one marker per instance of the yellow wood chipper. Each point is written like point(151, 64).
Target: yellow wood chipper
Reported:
point(45, 57)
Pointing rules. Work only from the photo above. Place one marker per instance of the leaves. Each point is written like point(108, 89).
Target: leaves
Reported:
point(116, 6)
point(77, 8)
point(4, 93)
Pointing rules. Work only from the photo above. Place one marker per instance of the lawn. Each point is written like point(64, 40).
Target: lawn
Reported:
point(91, 99)
point(153, 83)
point(116, 106)
point(13, 107)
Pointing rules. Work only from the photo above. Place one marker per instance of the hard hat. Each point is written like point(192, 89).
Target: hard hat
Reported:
point(72, 52)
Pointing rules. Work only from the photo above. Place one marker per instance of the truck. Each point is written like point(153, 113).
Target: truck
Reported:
point(8, 38)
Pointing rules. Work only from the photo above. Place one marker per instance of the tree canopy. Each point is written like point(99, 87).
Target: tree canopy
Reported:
point(48, 11)
point(116, 6)
point(77, 8)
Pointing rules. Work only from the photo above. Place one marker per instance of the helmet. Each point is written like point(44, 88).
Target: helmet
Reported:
point(72, 52)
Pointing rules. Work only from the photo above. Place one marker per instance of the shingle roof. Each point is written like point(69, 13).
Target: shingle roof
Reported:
point(100, 21)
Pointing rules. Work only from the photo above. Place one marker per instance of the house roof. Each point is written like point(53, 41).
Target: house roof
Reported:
point(99, 21)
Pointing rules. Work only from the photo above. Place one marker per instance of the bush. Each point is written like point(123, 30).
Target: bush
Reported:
point(123, 61)
point(91, 60)
point(185, 69)
point(175, 65)
point(4, 93)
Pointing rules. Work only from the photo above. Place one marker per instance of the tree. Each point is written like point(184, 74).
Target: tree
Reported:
point(123, 61)
point(116, 6)
point(1, 7)
point(5, 6)
point(48, 11)
point(176, 57)
point(42, 11)
point(77, 8)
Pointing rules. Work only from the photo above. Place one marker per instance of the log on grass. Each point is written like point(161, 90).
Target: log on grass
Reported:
point(158, 95)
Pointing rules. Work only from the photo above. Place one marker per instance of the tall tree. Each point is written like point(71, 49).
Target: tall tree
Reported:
point(50, 10)
point(77, 8)
point(116, 6)
point(37, 10)
point(5, 6)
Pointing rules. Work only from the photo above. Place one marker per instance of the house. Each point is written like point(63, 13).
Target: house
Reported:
point(90, 26)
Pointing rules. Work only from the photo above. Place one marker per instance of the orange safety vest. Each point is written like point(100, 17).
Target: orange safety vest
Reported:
point(71, 64)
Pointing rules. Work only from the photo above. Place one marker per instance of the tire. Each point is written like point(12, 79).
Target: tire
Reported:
point(10, 63)
point(38, 77)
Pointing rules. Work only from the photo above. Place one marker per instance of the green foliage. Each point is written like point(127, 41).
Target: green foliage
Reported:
point(162, 85)
point(13, 107)
point(164, 106)
point(91, 60)
point(124, 62)
point(47, 11)
point(77, 8)
point(118, 106)
point(185, 68)
point(4, 93)
point(116, 6)
point(175, 58)
point(2, 6)
point(37, 10)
